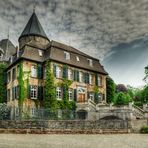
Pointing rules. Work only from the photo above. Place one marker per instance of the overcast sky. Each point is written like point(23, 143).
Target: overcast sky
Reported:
point(115, 31)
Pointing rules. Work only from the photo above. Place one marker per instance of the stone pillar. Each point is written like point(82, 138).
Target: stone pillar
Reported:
point(144, 107)
point(130, 105)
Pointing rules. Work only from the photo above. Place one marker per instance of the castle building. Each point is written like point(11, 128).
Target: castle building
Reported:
point(35, 49)
point(6, 50)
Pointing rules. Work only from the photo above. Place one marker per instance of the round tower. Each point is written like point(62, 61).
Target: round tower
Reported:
point(33, 34)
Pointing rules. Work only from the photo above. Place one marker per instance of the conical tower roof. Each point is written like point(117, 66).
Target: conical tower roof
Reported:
point(34, 28)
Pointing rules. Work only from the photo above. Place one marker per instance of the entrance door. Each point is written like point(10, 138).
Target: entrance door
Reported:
point(81, 97)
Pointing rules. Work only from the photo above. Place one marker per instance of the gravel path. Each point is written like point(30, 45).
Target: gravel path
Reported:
point(73, 141)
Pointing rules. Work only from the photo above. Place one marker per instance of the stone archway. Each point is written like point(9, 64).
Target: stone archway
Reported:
point(82, 114)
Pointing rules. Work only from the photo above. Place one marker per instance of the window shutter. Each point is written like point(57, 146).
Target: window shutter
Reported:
point(40, 71)
point(77, 75)
point(96, 79)
point(75, 95)
point(40, 92)
point(96, 98)
point(65, 72)
point(87, 78)
point(64, 92)
point(54, 69)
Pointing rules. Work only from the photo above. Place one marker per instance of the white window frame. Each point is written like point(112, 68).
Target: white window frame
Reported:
point(33, 92)
point(34, 71)
point(40, 53)
point(91, 96)
point(67, 55)
point(70, 94)
point(70, 74)
point(59, 93)
point(81, 76)
point(90, 62)
point(58, 72)
point(90, 79)
point(78, 59)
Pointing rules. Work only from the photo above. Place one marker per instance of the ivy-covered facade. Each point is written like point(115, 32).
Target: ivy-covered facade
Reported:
point(51, 75)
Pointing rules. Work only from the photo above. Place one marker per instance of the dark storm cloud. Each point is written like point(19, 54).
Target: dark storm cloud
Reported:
point(93, 26)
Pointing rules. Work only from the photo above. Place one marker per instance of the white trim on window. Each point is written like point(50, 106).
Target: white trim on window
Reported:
point(59, 93)
point(33, 92)
point(34, 71)
point(90, 62)
point(70, 74)
point(70, 94)
point(58, 72)
point(67, 55)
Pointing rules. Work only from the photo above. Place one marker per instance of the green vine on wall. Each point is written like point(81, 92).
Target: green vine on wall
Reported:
point(21, 84)
point(50, 93)
point(2, 83)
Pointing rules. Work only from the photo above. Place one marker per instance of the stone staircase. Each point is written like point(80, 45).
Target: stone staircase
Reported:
point(138, 112)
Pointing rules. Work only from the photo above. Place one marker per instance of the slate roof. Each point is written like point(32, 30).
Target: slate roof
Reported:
point(7, 44)
point(33, 27)
point(54, 51)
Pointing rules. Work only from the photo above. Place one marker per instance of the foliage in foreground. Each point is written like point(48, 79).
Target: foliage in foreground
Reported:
point(110, 90)
point(144, 129)
point(4, 111)
point(2, 83)
point(122, 99)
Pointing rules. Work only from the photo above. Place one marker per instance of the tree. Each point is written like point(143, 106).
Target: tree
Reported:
point(110, 90)
point(2, 83)
point(121, 88)
point(50, 93)
point(146, 74)
point(144, 94)
point(122, 99)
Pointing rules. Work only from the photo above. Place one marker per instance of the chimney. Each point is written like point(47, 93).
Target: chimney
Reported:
point(17, 51)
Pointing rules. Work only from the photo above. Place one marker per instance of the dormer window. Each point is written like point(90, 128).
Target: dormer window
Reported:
point(11, 59)
point(67, 55)
point(1, 55)
point(40, 53)
point(90, 62)
point(77, 58)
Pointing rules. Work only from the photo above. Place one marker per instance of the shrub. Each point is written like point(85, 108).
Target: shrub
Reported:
point(4, 111)
point(122, 99)
point(144, 129)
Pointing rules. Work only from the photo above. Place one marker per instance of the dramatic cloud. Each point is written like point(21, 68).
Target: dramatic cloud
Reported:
point(93, 26)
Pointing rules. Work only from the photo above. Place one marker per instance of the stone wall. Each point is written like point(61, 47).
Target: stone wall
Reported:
point(137, 124)
point(54, 126)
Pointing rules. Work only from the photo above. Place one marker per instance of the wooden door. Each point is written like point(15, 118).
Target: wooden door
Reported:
point(81, 97)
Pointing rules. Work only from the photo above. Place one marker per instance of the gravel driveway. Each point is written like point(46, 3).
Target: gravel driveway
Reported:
point(73, 141)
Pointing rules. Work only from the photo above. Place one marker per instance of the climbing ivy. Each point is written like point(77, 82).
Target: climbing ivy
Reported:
point(96, 91)
point(2, 83)
point(21, 88)
point(50, 99)
point(66, 103)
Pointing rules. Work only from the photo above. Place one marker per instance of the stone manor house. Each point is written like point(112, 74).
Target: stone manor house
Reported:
point(34, 50)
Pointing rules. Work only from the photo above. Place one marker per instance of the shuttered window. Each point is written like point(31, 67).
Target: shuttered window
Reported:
point(40, 71)
point(40, 92)
point(65, 72)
